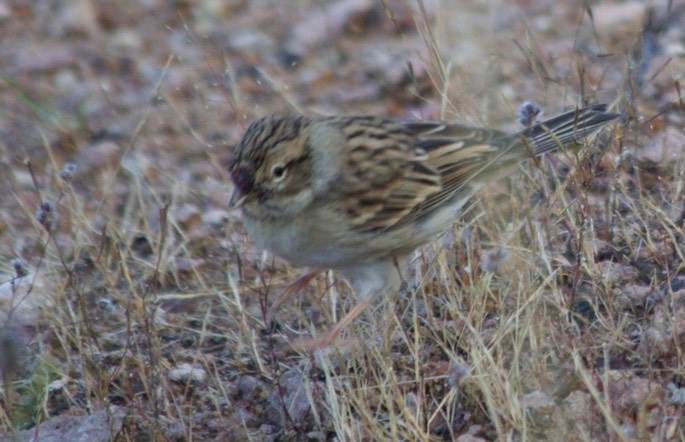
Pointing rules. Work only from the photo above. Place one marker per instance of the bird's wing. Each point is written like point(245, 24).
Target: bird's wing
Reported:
point(400, 170)
point(465, 156)
point(403, 171)
point(384, 177)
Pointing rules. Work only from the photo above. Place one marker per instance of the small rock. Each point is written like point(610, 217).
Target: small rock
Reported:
point(126, 39)
point(665, 147)
point(296, 398)
point(629, 392)
point(185, 372)
point(598, 247)
point(298, 395)
point(318, 26)
point(540, 407)
point(493, 259)
point(186, 267)
point(98, 156)
point(215, 217)
point(677, 395)
point(5, 11)
point(458, 372)
point(655, 340)
point(615, 273)
point(76, 17)
point(101, 426)
point(635, 295)
point(410, 401)
point(24, 298)
point(249, 39)
point(45, 58)
point(620, 18)
point(315, 435)
point(577, 408)
point(470, 438)
point(250, 388)
point(188, 215)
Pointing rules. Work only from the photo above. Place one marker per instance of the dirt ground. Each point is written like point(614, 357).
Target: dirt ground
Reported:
point(133, 306)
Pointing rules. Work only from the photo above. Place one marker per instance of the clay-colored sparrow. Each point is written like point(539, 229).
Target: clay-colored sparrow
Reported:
point(357, 193)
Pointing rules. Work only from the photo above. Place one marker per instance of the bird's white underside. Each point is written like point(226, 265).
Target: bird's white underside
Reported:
point(309, 241)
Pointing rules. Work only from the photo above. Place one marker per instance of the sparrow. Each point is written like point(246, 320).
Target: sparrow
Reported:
point(356, 194)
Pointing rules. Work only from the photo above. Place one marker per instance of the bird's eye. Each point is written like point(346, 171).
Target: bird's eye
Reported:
point(278, 172)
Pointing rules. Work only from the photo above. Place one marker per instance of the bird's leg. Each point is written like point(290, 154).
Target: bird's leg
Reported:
point(397, 294)
point(329, 337)
point(296, 286)
point(371, 280)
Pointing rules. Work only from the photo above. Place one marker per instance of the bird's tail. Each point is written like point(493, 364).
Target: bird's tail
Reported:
point(563, 129)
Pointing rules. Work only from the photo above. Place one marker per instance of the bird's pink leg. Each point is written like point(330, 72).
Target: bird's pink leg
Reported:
point(329, 337)
point(296, 286)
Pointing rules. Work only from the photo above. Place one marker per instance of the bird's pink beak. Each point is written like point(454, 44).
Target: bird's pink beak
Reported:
point(243, 181)
point(237, 199)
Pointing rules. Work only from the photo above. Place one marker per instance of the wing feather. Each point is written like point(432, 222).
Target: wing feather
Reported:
point(403, 171)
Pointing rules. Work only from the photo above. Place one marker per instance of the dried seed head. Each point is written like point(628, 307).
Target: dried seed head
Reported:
point(46, 215)
point(529, 113)
point(68, 172)
point(19, 268)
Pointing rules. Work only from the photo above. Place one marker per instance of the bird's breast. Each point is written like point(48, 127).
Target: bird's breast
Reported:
point(309, 239)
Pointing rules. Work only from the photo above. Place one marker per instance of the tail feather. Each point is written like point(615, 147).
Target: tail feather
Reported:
point(561, 130)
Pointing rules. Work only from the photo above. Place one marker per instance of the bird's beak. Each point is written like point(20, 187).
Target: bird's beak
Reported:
point(237, 199)
point(243, 184)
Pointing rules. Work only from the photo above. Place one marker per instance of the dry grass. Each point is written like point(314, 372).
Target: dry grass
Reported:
point(553, 310)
